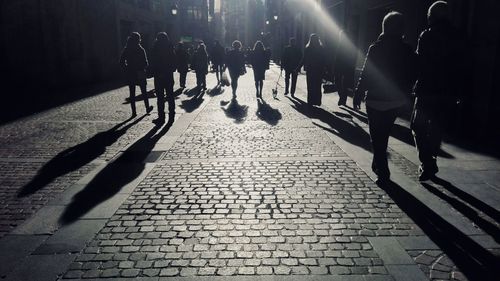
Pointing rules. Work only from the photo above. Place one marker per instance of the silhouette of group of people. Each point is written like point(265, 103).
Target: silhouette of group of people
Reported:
point(391, 72)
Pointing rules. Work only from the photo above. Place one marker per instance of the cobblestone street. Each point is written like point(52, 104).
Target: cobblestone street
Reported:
point(234, 189)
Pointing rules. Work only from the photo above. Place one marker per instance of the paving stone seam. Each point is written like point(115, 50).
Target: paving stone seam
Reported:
point(254, 159)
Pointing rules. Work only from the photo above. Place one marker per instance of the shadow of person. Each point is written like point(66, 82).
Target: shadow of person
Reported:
point(476, 203)
point(215, 91)
point(193, 103)
point(178, 92)
point(471, 258)
point(193, 91)
point(467, 211)
point(76, 157)
point(236, 111)
point(267, 114)
point(348, 130)
point(110, 180)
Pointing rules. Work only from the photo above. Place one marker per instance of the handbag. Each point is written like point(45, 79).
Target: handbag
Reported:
point(224, 80)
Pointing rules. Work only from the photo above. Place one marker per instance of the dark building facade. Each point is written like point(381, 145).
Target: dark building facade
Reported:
point(59, 43)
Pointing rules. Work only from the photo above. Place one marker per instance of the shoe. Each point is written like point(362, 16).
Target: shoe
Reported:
point(356, 106)
point(149, 109)
point(134, 114)
point(427, 173)
point(341, 103)
point(286, 93)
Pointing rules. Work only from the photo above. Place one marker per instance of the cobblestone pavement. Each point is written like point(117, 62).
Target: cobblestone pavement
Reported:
point(46, 153)
point(243, 188)
point(248, 189)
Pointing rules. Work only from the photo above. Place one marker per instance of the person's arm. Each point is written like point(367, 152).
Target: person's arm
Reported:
point(123, 58)
point(362, 86)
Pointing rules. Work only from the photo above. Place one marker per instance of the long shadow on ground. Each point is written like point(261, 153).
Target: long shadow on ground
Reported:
point(349, 131)
point(471, 258)
point(76, 157)
point(109, 181)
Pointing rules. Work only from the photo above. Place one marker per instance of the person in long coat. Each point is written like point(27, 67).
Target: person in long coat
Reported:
point(182, 58)
point(235, 63)
point(200, 66)
point(163, 65)
point(259, 58)
point(134, 61)
point(315, 66)
point(387, 77)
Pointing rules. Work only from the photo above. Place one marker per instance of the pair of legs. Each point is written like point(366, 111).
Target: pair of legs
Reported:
point(218, 72)
point(165, 84)
point(290, 74)
point(142, 86)
point(201, 80)
point(234, 81)
point(259, 84)
point(428, 122)
point(314, 88)
point(380, 124)
point(182, 79)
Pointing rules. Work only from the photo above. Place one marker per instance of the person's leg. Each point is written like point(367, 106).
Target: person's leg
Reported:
point(342, 90)
point(204, 81)
point(131, 88)
point(234, 82)
point(145, 95)
point(182, 79)
point(287, 81)
point(310, 87)
point(421, 126)
point(380, 124)
point(261, 85)
point(294, 82)
point(317, 88)
point(170, 96)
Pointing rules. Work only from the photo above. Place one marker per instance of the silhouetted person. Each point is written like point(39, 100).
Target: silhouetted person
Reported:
point(259, 58)
point(290, 61)
point(315, 65)
point(388, 76)
point(217, 58)
point(163, 65)
point(182, 57)
point(200, 66)
point(133, 59)
point(342, 67)
point(436, 91)
point(235, 63)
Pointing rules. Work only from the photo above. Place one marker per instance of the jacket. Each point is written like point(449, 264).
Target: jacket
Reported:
point(440, 59)
point(163, 59)
point(389, 70)
point(291, 57)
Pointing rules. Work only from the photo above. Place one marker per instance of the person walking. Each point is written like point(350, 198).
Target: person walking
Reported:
point(437, 90)
point(290, 61)
point(259, 59)
point(217, 58)
point(235, 63)
point(387, 78)
point(315, 67)
point(134, 61)
point(182, 58)
point(163, 65)
point(200, 66)
point(343, 67)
